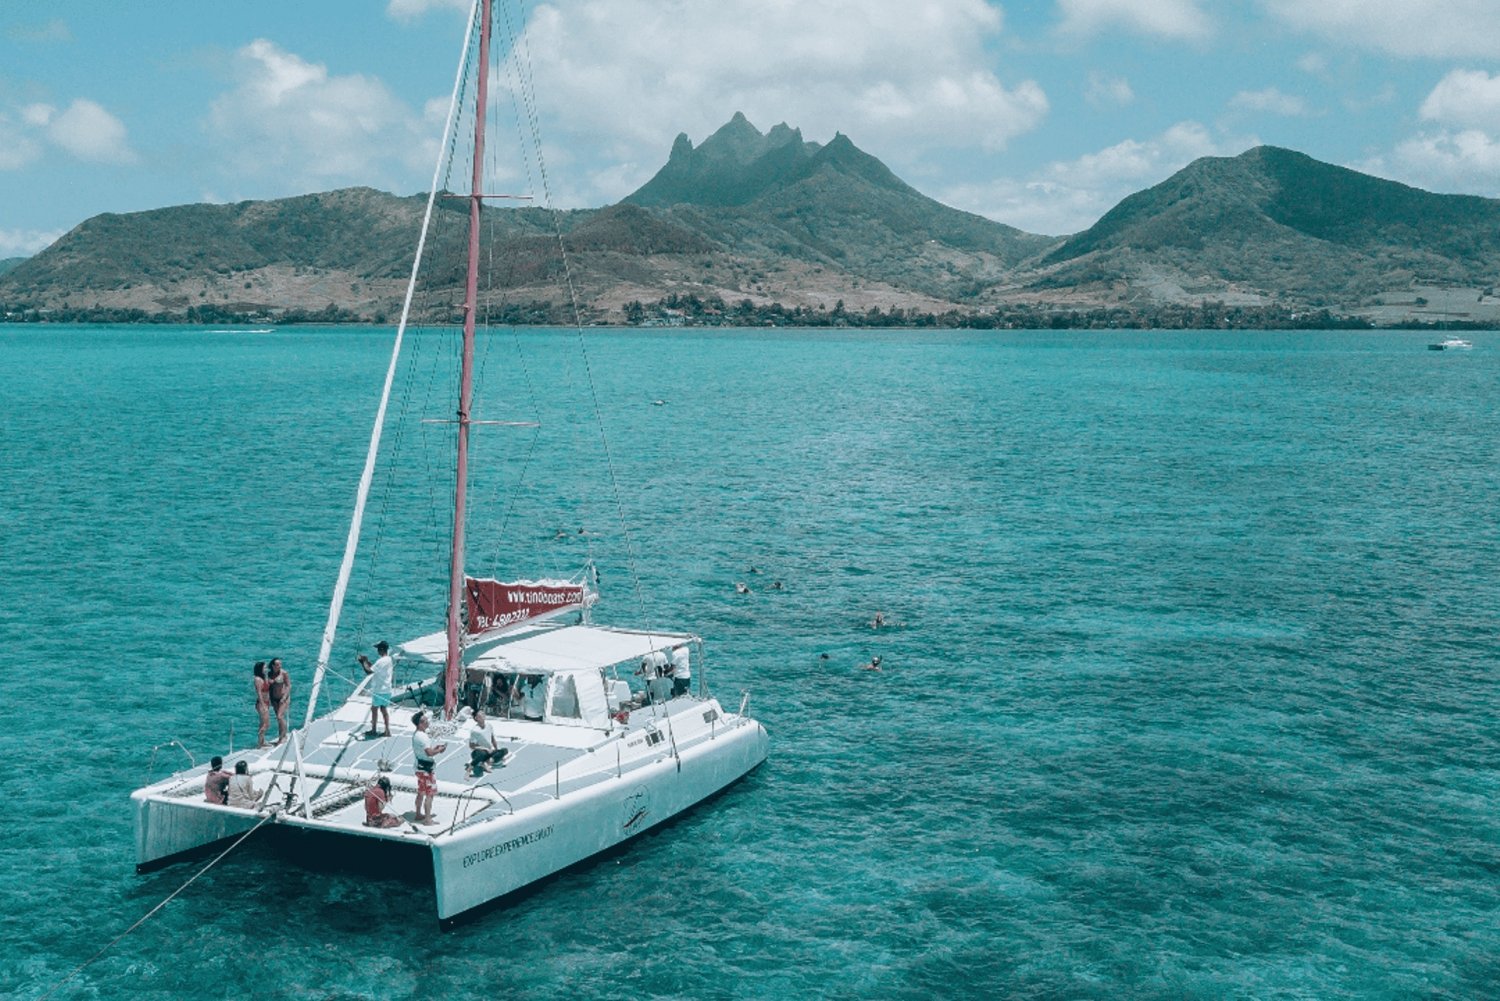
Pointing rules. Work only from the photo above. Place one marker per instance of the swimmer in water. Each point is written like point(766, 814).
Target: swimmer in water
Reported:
point(873, 665)
point(740, 588)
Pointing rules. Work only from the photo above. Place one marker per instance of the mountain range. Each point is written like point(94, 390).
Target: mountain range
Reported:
point(771, 218)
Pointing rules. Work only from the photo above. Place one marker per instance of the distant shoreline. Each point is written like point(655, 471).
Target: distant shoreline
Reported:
point(697, 315)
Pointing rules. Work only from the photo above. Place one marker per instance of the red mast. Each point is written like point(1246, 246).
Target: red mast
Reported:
point(466, 376)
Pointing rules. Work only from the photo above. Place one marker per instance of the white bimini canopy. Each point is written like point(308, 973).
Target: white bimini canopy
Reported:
point(433, 647)
point(576, 648)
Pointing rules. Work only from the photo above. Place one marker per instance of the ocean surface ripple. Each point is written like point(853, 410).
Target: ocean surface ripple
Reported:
point(1189, 685)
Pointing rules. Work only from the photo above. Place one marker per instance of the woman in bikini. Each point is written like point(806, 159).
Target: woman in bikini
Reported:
point(377, 797)
point(262, 701)
point(279, 685)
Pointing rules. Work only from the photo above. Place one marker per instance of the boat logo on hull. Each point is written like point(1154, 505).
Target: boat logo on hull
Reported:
point(637, 809)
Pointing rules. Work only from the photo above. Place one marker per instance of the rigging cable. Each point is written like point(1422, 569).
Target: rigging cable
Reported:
point(346, 566)
point(423, 314)
point(528, 99)
point(149, 914)
point(525, 465)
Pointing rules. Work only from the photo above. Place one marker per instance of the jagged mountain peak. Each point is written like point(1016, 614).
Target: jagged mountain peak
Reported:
point(738, 164)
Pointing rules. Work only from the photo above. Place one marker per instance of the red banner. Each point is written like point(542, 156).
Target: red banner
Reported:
point(494, 605)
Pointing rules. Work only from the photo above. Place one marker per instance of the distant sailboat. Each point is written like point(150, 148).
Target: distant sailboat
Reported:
point(605, 733)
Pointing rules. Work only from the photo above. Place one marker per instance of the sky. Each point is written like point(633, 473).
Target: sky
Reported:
point(1041, 114)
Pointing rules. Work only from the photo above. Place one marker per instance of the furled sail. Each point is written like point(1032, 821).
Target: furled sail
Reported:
point(495, 606)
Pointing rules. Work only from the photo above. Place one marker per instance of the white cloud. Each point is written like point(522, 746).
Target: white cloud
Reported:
point(1465, 99)
point(55, 30)
point(1466, 161)
point(1107, 91)
point(291, 119)
point(1177, 19)
point(1462, 153)
point(83, 128)
point(628, 75)
point(38, 115)
point(1442, 29)
point(25, 242)
point(1271, 100)
point(407, 10)
point(1069, 196)
point(1314, 63)
point(18, 147)
point(89, 132)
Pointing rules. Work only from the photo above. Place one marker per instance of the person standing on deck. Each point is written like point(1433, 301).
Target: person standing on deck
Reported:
point(425, 751)
point(262, 701)
point(682, 671)
point(380, 686)
point(532, 693)
point(279, 684)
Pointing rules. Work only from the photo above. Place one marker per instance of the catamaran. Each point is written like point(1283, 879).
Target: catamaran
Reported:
point(606, 731)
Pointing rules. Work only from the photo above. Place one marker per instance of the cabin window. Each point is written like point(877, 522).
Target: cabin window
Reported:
point(565, 697)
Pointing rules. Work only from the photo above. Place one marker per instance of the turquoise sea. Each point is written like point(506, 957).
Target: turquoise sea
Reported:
point(1190, 689)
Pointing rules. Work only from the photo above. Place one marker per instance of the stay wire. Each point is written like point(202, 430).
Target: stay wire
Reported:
point(508, 508)
point(152, 912)
point(528, 98)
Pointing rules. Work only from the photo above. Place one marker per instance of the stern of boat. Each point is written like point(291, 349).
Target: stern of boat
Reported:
point(175, 823)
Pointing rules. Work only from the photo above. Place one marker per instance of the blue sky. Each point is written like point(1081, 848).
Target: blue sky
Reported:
point(1041, 114)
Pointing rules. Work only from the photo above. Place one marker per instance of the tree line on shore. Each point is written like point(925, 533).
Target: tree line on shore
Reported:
point(692, 310)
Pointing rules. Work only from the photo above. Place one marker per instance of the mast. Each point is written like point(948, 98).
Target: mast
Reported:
point(466, 374)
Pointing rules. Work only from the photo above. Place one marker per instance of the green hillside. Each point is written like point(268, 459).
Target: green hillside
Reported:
point(778, 227)
point(1278, 222)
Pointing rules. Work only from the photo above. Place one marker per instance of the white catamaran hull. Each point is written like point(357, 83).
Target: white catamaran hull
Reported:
point(556, 806)
point(487, 862)
point(168, 827)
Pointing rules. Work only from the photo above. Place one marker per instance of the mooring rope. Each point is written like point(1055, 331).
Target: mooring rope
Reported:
point(149, 914)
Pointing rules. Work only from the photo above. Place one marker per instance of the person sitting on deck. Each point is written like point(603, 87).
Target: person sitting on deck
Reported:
point(425, 751)
point(216, 783)
point(242, 792)
point(482, 745)
point(376, 798)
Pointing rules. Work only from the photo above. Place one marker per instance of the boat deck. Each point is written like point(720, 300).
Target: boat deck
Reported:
point(338, 762)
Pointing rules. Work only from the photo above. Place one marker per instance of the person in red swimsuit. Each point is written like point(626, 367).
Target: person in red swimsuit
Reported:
point(262, 701)
point(376, 799)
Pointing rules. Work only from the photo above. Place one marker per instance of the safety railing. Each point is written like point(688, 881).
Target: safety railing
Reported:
point(151, 765)
point(468, 797)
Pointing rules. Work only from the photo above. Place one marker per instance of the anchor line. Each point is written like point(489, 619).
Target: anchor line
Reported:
point(152, 912)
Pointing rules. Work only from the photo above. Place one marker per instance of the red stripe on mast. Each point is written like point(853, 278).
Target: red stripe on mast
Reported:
point(466, 374)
